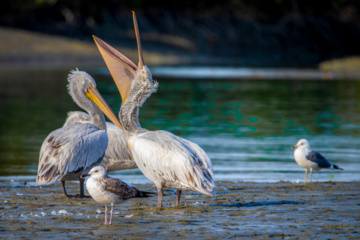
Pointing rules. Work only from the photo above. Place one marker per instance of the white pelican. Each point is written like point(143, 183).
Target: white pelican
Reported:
point(165, 159)
point(117, 155)
point(69, 151)
point(310, 159)
point(106, 190)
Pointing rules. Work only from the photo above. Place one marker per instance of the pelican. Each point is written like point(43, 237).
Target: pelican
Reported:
point(106, 190)
point(165, 159)
point(117, 155)
point(68, 152)
point(310, 159)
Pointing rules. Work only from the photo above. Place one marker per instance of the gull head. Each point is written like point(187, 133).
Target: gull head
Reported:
point(302, 144)
point(96, 172)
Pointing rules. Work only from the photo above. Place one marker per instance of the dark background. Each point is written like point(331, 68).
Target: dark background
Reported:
point(262, 33)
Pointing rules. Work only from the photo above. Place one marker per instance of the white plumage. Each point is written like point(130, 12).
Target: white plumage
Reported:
point(309, 159)
point(172, 162)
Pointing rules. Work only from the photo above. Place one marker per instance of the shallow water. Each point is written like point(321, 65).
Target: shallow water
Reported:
point(246, 126)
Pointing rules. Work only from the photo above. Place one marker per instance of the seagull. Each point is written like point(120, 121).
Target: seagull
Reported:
point(106, 190)
point(310, 159)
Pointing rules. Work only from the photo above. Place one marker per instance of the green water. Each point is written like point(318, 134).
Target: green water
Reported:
point(246, 126)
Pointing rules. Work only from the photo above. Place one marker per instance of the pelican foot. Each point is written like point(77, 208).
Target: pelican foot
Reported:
point(78, 196)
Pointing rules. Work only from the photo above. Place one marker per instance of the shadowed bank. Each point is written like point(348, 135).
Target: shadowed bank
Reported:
point(263, 33)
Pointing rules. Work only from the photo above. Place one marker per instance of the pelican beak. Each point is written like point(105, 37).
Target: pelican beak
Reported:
point(121, 68)
point(137, 33)
point(95, 96)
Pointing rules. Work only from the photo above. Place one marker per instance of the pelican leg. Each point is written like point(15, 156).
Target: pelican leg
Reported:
point(310, 174)
point(306, 173)
point(105, 223)
point(112, 210)
point(178, 195)
point(160, 196)
point(64, 189)
point(82, 189)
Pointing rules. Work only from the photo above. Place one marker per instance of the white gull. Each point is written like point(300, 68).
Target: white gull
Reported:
point(309, 159)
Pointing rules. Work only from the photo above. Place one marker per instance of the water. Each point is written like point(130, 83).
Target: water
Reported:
point(246, 126)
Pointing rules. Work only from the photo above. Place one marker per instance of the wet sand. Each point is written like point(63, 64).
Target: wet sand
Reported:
point(326, 210)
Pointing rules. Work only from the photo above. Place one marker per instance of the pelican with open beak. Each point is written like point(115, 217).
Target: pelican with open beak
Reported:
point(165, 159)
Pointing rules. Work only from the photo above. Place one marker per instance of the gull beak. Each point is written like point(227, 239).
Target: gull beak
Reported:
point(294, 146)
point(95, 97)
point(85, 175)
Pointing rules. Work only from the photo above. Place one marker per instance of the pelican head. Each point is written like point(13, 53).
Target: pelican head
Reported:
point(302, 144)
point(128, 77)
point(82, 88)
point(81, 83)
point(96, 172)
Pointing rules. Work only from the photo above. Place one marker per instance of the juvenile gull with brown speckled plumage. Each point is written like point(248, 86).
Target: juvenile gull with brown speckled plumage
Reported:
point(106, 190)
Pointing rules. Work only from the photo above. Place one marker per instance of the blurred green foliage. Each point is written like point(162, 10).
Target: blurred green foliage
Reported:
point(256, 33)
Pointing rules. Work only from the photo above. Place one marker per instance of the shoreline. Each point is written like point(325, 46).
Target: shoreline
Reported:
point(23, 50)
point(238, 210)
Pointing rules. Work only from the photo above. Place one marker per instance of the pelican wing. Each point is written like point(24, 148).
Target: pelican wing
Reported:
point(70, 150)
point(117, 155)
point(166, 157)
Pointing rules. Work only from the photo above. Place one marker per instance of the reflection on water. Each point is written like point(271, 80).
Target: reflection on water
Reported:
point(246, 126)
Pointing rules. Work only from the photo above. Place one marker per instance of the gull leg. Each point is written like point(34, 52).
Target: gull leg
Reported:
point(160, 196)
point(105, 223)
point(178, 195)
point(112, 210)
point(305, 175)
point(310, 174)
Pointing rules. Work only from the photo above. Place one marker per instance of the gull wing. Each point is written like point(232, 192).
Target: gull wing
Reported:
point(121, 188)
point(319, 159)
